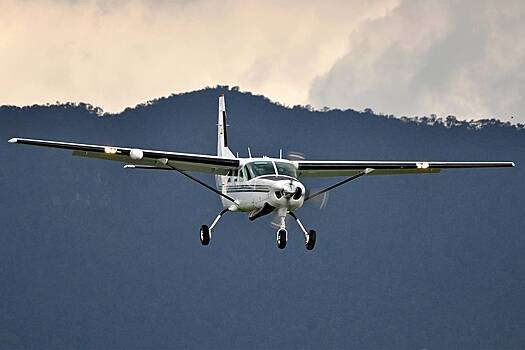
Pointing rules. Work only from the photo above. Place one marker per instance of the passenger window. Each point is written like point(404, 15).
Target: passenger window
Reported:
point(233, 176)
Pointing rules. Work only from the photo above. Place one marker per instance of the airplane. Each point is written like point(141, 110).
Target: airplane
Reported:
point(255, 185)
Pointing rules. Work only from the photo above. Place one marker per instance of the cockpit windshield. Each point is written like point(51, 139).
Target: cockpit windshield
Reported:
point(260, 168)
point(286, 169)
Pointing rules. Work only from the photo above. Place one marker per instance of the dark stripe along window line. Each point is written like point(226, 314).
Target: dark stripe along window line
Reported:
point(244, 188)
point(236, 187)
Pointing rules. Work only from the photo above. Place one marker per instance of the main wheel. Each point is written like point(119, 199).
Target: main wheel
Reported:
point(310, 240)
point(205, 235)
point(281, 238)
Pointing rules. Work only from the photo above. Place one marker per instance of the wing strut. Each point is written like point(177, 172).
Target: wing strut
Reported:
point(203, 184)
point(147, 167)
point(358, 175)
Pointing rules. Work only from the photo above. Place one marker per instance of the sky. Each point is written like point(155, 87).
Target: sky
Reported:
point(404, 57)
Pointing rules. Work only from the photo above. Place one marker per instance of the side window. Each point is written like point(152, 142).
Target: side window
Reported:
point(232, 176)
point(243, 175)
point(249, 169)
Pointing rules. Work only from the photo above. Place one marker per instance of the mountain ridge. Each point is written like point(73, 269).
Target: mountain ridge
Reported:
point(448, 121)
point(97, 256)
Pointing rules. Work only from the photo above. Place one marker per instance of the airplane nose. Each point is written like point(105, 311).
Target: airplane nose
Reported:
point(289, 189)
point(287, 194)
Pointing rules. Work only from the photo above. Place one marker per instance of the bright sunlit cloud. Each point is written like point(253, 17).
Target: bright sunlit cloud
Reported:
point(404, 57)
point(115, 54)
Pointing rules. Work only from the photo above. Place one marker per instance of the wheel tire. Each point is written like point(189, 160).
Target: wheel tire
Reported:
point(205, 235)
point(281, 238)
point(310, 240)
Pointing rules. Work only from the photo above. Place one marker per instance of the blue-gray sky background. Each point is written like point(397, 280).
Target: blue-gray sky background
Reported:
point(403, 57)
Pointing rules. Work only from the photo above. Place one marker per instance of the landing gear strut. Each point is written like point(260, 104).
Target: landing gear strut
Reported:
point(309, 236)
point(205, 232)
point(282, 234)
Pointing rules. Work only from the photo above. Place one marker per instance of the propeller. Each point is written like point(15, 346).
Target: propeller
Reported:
point(289, 191)
point(294, 155)
point(320, 201)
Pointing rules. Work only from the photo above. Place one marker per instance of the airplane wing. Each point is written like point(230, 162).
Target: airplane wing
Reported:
point(324, 168)
point(142, 157)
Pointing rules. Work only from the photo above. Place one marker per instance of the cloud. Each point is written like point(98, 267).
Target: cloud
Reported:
point(465, 58)
point(118, 53)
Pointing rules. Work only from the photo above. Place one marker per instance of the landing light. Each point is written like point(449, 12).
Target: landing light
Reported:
point(110, 150)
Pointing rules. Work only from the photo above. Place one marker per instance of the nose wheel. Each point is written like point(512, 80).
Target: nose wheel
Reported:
point(282, 238)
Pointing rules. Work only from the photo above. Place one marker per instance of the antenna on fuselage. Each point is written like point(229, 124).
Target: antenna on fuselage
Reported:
point(280, 153)
point(249, 152)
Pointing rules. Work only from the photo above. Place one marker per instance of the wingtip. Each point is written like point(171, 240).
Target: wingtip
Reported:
point(13, 140)
point(129, 166)
point(513, 164)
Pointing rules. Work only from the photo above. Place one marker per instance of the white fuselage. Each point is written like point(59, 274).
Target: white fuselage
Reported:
point(258, 181)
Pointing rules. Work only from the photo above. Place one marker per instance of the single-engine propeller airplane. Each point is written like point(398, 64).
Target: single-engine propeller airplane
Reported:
point(258, 185)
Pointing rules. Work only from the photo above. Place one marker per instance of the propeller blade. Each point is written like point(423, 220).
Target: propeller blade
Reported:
point(320, 201)
point(294, 155)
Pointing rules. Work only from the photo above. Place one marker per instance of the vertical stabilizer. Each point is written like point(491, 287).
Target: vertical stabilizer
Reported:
point(222, 133)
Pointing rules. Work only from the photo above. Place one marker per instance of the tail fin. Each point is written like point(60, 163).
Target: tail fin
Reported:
point(222, 136)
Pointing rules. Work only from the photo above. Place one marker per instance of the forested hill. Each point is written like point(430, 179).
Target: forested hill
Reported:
point(95, 256)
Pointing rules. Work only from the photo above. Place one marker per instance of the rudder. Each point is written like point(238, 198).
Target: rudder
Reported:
point(222, 134)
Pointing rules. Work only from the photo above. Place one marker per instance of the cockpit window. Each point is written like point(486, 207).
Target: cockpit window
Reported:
point(243, 176)
point(260, 168)
point(286, 169)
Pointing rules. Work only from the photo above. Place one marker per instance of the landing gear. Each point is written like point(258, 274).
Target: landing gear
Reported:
point(205, 232)
point(205, 235)
point(282, 234)
point(309, 236)
point(282, 238)
point(309, 240)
